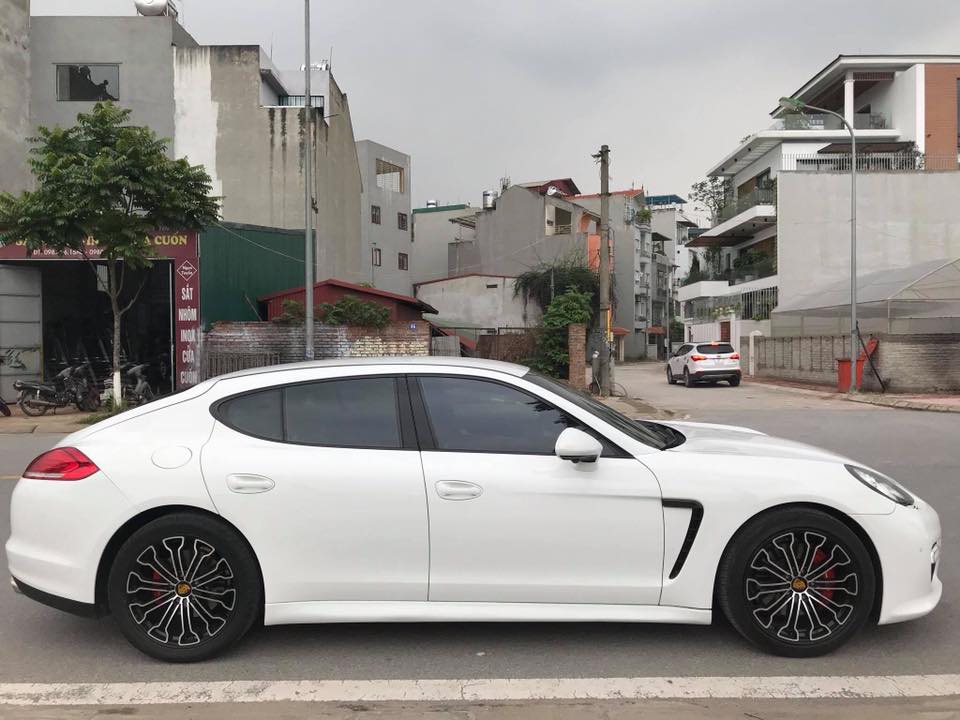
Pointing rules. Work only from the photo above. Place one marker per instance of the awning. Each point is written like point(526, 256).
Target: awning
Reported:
point(877, 147)
point(620, 331)
point(656, 330)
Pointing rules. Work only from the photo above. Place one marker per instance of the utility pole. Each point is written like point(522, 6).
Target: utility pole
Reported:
point(605, 268)
point(307, 189)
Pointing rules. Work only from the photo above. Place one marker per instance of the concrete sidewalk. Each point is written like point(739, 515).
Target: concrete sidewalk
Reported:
point(933, 403)
point(65, 420)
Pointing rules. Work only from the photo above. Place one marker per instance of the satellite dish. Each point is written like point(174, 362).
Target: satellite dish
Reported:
point(152, 8)
point(553, 190)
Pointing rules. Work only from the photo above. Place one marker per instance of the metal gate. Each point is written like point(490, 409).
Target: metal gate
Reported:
point(21, 326)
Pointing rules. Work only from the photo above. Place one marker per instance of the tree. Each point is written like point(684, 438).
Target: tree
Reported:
point(113, 182)
point(570, 307)
point(711, 194)
point(544, 282)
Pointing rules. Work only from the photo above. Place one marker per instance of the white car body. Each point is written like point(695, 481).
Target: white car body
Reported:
point(354, 534)
point(710, 361)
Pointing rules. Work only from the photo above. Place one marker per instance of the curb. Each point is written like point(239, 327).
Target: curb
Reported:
point(903, 404)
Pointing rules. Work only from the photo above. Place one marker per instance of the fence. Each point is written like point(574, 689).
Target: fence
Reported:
point(909, 161)
point(221, 362)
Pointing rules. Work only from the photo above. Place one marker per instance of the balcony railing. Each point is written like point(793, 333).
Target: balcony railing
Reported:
point(299, 100)
point(909, 161)
point(822, 121)
point(756, 270)
point(757, 196)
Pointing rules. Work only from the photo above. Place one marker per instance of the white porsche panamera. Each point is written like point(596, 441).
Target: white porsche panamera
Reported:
point(444, 489)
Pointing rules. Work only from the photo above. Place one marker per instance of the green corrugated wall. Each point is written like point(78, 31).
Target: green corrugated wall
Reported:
point(238, 260)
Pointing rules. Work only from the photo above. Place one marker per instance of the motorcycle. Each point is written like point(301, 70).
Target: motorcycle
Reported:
point(135, 386)
point(71, 386)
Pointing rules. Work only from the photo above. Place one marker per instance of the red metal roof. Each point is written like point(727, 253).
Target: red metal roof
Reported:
point(360, 290)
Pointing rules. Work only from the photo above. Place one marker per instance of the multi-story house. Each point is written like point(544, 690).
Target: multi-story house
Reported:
point(784, 228)
point(385, 221)
point(437, 232)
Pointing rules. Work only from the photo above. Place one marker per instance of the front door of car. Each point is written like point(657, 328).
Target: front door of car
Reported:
point(325, 482)
point(512, 522)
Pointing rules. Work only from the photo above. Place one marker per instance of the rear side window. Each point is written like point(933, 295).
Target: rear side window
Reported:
point(259, 414)
point(355, 412)
point(359, 412)
point(718, 349)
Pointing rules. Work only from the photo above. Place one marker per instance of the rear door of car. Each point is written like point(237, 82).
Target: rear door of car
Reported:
point(324, 480)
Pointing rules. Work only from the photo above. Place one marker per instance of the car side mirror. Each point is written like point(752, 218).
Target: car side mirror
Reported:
point(577, 446)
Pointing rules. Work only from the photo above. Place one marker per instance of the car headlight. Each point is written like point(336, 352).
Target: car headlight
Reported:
point(888, 487)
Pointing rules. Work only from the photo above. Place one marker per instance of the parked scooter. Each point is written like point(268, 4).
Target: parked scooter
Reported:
point(72, 386)
point(136, 388)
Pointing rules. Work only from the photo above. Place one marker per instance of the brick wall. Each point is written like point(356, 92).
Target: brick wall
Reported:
point(330, 341)
point(577, 340)
point(907, 363)
point(941, 112)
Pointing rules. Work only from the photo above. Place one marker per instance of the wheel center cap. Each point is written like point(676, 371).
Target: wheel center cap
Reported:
point(799, 584)
point(183, 589)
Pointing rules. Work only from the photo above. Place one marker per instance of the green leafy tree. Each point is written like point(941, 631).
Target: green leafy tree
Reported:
point(350, 310)
point(542, 283)
point(107, 180)
point(552, 354)
point(711, 195)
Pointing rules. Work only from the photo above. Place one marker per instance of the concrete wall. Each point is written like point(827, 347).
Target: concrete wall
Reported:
point(907, 363)
point(330, 341)
point(512, 238)
point(485, 301)
point(140, 45)
point(903, 219)
point(255, 154)
point(14, 93)
point(387, 236)
point(432, 234)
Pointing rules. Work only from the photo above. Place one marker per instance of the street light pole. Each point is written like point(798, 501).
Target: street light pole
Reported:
point(307, 190)
point(604, 269)
point(800, 106)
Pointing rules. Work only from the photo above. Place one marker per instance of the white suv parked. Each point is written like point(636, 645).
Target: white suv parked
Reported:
point(711, 361)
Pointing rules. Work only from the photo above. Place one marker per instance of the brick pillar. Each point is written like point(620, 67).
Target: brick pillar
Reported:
point(577, 349)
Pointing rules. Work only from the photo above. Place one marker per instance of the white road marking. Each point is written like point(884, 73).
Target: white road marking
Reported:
point(246, 691)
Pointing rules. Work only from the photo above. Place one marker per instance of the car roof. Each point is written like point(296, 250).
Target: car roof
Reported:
point(399, 362)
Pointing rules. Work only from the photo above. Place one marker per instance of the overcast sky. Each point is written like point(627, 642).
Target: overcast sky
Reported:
point(530, 88)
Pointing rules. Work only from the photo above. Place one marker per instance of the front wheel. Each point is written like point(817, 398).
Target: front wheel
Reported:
point(30, 405)
point(797, 583)
point(184, 588)
point(670, 378)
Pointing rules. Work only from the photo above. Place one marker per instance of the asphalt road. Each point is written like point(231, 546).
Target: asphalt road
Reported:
point(921, 449)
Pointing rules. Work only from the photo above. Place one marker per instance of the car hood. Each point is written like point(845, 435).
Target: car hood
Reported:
point(708, 439)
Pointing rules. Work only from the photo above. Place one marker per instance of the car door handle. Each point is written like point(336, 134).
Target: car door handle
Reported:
point(249, 484)
point(458, 490)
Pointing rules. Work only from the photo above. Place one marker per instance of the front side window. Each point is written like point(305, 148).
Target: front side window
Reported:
point(359, 412)
point(471, 415)
point(88, 82)
point(375, 214)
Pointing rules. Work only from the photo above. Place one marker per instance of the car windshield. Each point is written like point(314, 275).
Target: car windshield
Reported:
point(662, 437)
point(715, 349)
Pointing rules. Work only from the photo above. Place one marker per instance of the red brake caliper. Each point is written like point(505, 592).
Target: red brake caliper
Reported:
point(157, 578)
point(819, 558)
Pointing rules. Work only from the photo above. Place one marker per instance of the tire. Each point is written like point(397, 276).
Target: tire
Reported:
point(734, 382)
point(145, 571)
point(779, 555)
point(26, 404)
point(4, 409)
point(671, 380)
point(688, 379)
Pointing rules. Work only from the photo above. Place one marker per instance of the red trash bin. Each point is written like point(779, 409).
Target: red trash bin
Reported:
point(843, 374)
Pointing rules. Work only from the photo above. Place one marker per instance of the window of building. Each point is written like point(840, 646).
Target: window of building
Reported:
point(88, 82)
point(401, 221)
point(470, 415)
point(375, 214)
point(389, 176)
point(376, 257)
point(359, 412)
point(403, 261)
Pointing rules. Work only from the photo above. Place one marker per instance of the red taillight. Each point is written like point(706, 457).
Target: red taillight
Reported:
point(735, 356)
point(698, 358)
point(61, 464)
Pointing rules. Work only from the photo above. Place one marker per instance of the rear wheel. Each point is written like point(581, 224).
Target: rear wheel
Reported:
point(184, 588)
point(797, 583)
point(30, 405)
point(687, 378)
point(734, 381)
